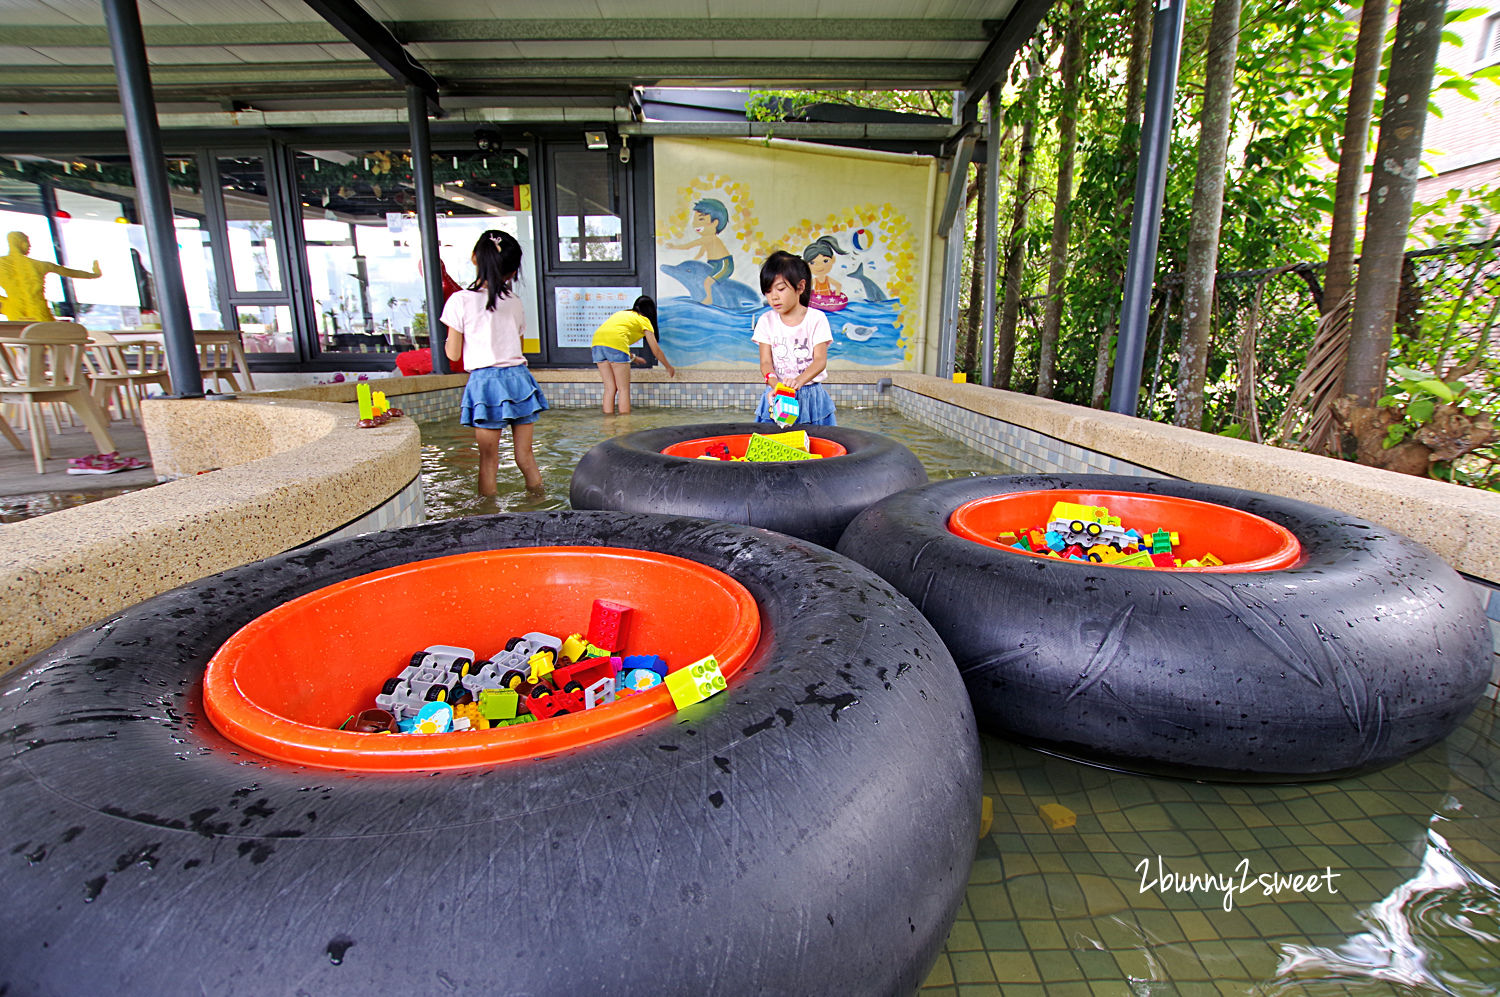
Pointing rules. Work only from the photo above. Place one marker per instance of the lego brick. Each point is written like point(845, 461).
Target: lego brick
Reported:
point(696, 682)
point(608, 624)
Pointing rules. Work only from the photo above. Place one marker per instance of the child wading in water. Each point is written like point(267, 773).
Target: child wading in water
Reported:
point(793, 340)
point(611, 347)
point(485, 325)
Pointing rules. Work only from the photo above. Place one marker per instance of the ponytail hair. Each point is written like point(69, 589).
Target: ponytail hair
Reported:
point(646, 307)
point(497, 260)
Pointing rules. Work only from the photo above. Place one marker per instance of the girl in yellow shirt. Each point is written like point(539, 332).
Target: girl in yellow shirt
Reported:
point(611, 351)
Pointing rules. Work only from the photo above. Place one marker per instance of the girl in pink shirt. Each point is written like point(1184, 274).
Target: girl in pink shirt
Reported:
point(485, 327)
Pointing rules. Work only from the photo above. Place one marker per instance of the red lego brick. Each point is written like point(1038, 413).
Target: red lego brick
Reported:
point(608, 624)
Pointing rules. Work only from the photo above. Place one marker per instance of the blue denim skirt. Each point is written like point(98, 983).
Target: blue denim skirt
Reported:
point(816, 408)
point(496, 397)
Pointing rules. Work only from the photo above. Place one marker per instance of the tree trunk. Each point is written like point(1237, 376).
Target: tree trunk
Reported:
point(1208, 207)
point(1015, 260)
point(1398, 154)
point(973, 318)
point(1057, 268)
point(1130, 145)
point(1339, 277)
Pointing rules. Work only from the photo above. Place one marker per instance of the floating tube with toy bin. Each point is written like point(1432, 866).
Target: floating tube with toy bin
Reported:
point(745, 844)
point(655, 470)
point(1352, 649)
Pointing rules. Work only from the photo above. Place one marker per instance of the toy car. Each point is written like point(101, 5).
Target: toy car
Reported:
point(435, 675)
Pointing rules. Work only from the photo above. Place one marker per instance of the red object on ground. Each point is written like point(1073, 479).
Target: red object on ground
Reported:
point(414, 362)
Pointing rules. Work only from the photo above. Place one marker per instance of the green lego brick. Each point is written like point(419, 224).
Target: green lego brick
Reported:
point(696, 682)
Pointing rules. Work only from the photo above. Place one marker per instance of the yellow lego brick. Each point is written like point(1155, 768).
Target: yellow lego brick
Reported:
point(1088, 513)
point(1208, 560)
point(792, 438)
point(574, 647)
point(1139, 560)
point(1057, 816)
point(541, 665)
point(763, 448)
point(696, 682)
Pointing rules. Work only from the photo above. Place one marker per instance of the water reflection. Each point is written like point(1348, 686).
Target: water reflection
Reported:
point(450, 460)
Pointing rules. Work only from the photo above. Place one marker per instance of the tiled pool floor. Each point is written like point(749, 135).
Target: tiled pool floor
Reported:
point(1413, 851)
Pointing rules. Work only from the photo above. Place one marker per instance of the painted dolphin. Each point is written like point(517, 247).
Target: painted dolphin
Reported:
point(729, 295)
point(872, 289)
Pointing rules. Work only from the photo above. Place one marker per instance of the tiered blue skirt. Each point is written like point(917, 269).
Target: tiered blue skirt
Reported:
point(497, 397)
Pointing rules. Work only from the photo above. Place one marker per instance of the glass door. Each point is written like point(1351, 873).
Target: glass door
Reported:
point(253, 265)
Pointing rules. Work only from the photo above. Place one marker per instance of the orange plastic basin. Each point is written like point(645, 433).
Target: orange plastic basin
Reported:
point(739, 441)
point(283, 683)
point(1243, 541)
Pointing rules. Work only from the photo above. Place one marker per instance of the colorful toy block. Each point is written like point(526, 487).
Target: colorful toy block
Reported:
point(498, 704)
point(572, 649)
point(608, 624)
point(696, 682)
point(763, 448)
point(600, 693)
point(651, 662)
point(784, 405)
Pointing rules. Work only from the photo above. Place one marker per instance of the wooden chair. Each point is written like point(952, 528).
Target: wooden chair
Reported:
point(221, 355)
point(123, 369)
point(49, 368)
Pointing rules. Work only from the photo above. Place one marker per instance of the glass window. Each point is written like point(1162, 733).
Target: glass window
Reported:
point(97, 220)
point(265, 328)
point(586, 198)
point(364, 250)
point(254, 258)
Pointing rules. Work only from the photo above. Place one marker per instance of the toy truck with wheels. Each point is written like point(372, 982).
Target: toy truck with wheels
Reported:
point(526, 661)
point(435, 675)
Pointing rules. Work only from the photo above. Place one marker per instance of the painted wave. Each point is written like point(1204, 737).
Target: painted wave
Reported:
point(694, 333)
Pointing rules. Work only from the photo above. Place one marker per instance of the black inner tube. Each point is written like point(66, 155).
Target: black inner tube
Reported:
point(1369, 650)
point(748, 845)
point(811, 499)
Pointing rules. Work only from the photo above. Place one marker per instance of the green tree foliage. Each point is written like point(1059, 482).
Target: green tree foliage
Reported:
point(1290, 100)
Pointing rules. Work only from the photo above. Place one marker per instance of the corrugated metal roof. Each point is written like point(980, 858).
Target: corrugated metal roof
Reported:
point(211, 54)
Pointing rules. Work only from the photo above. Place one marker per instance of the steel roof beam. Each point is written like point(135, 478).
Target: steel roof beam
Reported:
point(993, 65)
point(526, 29)
point(376, 41)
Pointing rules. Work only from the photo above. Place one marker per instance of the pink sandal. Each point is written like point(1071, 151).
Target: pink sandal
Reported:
point(104, 463)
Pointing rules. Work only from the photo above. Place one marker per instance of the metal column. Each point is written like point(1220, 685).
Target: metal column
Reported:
point(432, 264)
point(991, 223)
point(128, 46)
point(1145, 223)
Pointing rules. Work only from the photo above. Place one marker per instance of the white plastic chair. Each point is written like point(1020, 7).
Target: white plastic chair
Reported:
point(47, 366)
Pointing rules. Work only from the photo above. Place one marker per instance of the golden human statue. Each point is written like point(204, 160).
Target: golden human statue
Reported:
point(24, 281)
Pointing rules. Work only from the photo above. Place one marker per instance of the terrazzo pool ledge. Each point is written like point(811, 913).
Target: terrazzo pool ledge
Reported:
point(284, 473)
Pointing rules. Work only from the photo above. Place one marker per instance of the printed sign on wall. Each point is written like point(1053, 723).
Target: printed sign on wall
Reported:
point(581, 310)
point(723, 206)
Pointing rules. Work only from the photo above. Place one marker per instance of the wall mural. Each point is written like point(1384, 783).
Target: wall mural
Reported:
point(711, 240)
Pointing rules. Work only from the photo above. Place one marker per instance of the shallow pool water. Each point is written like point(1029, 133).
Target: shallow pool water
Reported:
point(450, 460)
point(1097, 882)
point(15, 508)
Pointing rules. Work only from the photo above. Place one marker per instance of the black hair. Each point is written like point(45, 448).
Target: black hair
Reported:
point(824, 246)
point(497, 260)
point(789, 266)
point(645, 306)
